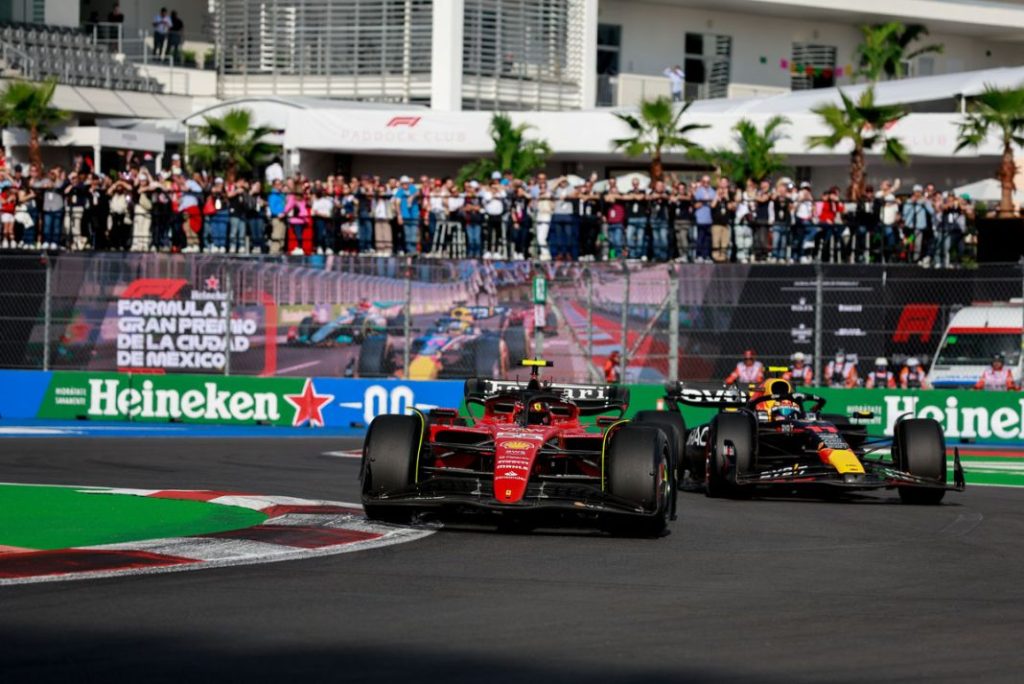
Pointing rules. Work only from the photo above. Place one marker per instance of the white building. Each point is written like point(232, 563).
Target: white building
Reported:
point(558, 63)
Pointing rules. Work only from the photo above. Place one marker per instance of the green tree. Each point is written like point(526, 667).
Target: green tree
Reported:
point(1003, 111)
point(886, 48)
point(30, 106)
point(656, 130)
point(863, 124)
point(513, 152)
point(755, 156)
point(231, 143)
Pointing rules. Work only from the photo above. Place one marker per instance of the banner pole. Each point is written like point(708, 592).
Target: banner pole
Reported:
point(228, 294)
point(819, 305)
point(47, 313)
point(673, 323)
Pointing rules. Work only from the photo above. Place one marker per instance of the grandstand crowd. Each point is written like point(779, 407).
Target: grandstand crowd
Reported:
point(501, 217)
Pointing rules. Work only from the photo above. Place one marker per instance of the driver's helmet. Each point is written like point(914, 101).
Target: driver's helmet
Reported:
point(784, 409)
point(538, 413)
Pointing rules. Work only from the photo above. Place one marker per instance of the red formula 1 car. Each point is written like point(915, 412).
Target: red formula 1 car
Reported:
point(527, 454)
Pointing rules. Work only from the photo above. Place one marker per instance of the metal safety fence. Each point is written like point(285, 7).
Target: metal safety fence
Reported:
point(455, 318)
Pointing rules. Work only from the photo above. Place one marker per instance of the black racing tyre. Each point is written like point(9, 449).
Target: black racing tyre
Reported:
point(741, 430)
point(517, 344)
point(486, 356)
point(390, 462)
point(637, 469)
point(373, 361)
point(672, 423)
point(919, 448)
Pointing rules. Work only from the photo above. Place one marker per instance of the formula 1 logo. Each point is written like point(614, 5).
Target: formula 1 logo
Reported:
point(409, 121)
point(916, 320)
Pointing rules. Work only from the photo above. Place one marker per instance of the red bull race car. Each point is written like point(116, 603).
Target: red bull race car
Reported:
point(524, 455)
point(771, 437)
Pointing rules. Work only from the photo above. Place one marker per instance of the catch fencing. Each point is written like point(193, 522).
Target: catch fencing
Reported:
point(427, 318)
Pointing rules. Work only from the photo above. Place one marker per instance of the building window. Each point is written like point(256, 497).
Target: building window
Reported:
point(813, 66)
point(609, 46)
point(708, 65)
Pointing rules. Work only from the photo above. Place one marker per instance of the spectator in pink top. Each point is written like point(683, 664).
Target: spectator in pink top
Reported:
point(296, 209)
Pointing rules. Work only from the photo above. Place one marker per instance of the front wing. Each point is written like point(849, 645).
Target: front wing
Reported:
point(552, 494)
point(877, 475)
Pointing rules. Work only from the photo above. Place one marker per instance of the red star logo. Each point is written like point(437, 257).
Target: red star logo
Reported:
point(308, 404)
point(213, 283)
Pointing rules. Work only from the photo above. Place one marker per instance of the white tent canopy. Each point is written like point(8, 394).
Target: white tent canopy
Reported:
point(987, 190)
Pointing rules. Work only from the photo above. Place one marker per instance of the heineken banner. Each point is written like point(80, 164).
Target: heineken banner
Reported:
point(350, 404)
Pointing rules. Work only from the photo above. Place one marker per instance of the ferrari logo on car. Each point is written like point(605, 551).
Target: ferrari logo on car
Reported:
point(508, 493)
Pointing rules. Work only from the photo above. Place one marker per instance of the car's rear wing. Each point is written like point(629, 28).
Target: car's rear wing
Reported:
point(709, 396)
point(590, 399)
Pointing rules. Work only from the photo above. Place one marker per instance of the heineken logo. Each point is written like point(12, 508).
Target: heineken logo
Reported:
point(968, 422)
point(113, 398)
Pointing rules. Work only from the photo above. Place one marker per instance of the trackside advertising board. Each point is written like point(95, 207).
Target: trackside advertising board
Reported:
point(348, 403)
point(219, 400)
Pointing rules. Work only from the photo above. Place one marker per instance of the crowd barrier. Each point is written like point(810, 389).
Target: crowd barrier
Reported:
point(348, 405)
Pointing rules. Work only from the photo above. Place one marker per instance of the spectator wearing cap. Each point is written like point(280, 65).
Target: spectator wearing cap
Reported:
point(799, 372)
point(493, 198)
point(407, 213)
point(803, 223)
point(749, 371)
point(918, 218)
point(881, 377)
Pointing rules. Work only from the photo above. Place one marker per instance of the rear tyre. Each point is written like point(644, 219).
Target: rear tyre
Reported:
point(674, 427)
point(390, 464)
point(919, 448)
point(740, 430)
point(517, 345)
point(486, 351)
point(374, 353)
point(638, 470)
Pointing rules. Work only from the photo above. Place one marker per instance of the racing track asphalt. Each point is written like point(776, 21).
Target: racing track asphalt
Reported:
point(758, 591)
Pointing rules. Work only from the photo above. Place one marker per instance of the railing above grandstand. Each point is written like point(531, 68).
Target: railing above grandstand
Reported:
point(88, 57)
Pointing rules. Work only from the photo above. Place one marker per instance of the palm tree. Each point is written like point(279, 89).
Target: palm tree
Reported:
point(231, 143)
point(1002, 110)
point(755, 156)
point(513, 152)
point(863, 124)
point(29, 106)
point(655, 130)
point(885, 49)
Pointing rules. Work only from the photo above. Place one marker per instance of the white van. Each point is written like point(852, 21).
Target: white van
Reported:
point(974, 336)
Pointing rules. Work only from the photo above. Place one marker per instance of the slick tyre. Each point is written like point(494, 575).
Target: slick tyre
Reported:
point(740, 430)
point(486, 357)
point(390, 463)
point(919, 448)
point(674, 427)
point(638, 469)
point(517, 345)
point(373, 357)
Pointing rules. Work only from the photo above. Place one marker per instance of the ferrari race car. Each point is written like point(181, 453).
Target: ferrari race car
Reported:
point(527, 454)
point(771, 436)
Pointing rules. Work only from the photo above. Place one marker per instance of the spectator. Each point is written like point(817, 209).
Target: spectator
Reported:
point(615, 216)
point(238, 200)
point(803, 224)
point(545, 207)
point(677, 81)
point(218, 218)
point(8, 202)
point(723, 209)
point(681, 205)
point(473, 211)
point(277, 201)
point(997, 377)
point(142, 218)
point(881, 377)
point(563, 221)
point(52, 189)
point(175, 36)
point(658, 212)
point(703, 200)
point(912, 376)
point(323, 209)
point(918, 217)
point(636, 220)
point(952, 225)
point(799, 373)
point(782, 214)
point(521, 219)
point(407, 213)
point(116, 16)
point(297, 212)
point(749, 371)
point(611, 367)
point(494, 198)
point(841, 371)
point(161, 27)
point(257, 210)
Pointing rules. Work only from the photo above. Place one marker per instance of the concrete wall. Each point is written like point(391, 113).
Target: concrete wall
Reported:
point(653, 37)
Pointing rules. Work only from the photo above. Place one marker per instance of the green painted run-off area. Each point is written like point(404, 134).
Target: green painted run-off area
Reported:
point(38, 517)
